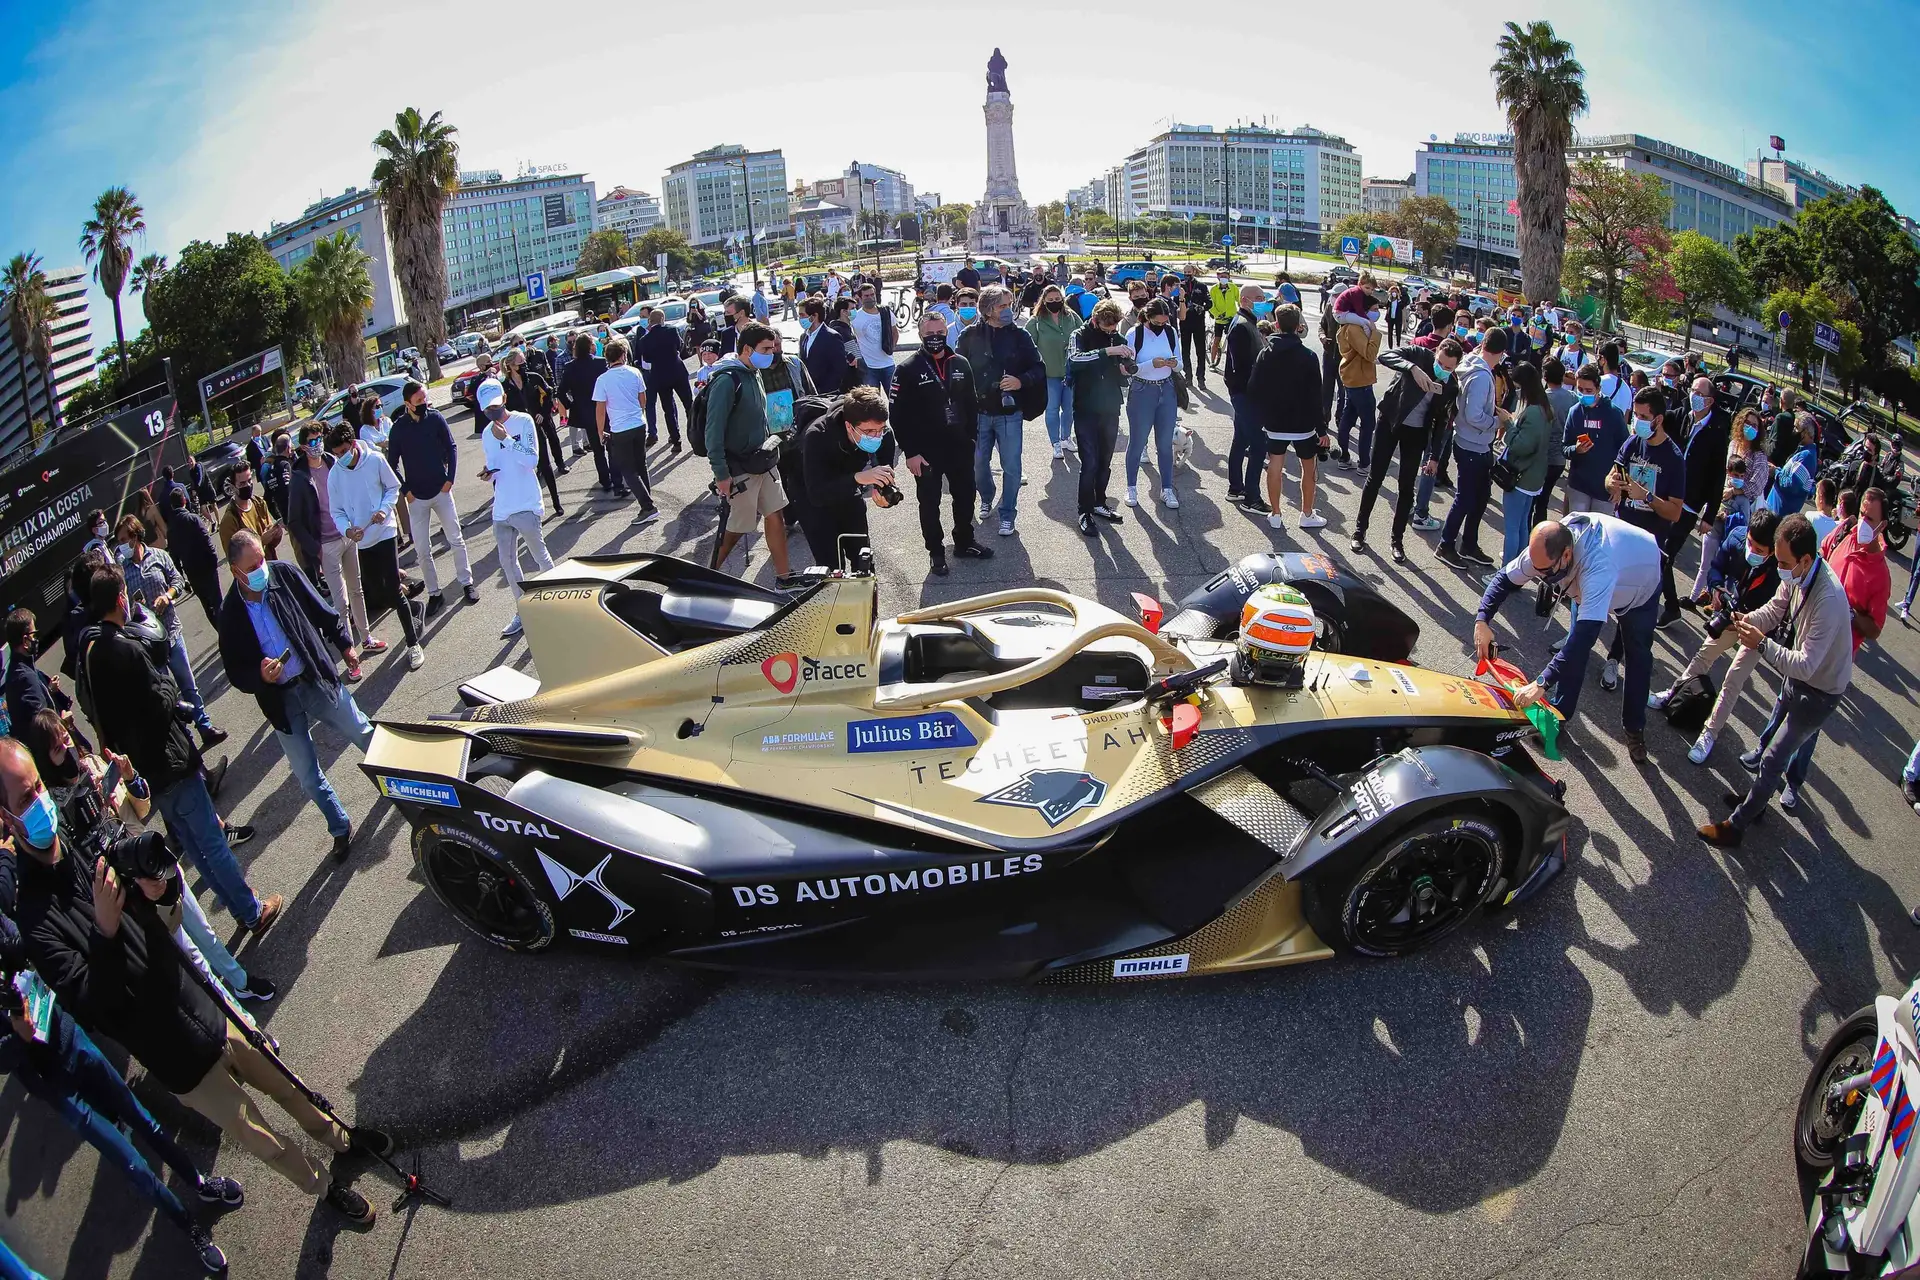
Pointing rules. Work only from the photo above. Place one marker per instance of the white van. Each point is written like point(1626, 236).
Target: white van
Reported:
point(539, 325)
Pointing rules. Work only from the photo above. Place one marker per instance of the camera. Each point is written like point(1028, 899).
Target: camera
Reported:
point(886, 495)
point(146, 856)
point(1721, 618)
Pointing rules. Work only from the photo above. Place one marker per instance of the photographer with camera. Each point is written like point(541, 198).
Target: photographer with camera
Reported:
point(1743, 578)
point(138, 711)
point(847, 457)
point(101, 937)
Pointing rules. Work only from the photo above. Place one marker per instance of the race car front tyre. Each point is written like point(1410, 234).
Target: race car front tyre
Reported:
point(1412, 889)
point(1819, 1127)
point(482, 889)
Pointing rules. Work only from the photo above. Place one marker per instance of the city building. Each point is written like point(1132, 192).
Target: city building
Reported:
point(1911, 227)
point(885, 189)
point(359, 214)
point(706, 196)
point(499, 231)
point(815, 221)
point(1274, 182)
point(1474, 173)
point(1383, 195)
point(1090, 197)
point(632, 213)
point(1799, 184)
point(23, 391)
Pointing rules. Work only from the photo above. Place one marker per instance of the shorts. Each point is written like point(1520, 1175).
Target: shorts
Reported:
point(753, 500)
point(1306, 447)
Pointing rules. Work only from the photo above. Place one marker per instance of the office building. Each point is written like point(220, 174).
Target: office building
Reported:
point(1474, 173)
point(1296, 182)
point(815, 221)
point(361, 215)
point(632, 213)
point(1799, 184)
point(883, 188)
point(1090, 197)
point(1382, 196)
point(23, 389)
point(501, 230)
point(707, 196)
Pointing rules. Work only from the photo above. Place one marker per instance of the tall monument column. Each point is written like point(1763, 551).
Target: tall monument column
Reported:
point(1002, 223)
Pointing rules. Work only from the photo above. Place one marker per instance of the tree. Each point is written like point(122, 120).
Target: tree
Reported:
point(1429, 222)
point(149, 269)
point(664, 239)
point(30, 316)
point(1053, 218)
point(952, 220)
point(1542, 88)
point(1705, 275)
point(1616, 221)
point(337, 294)
point(219, 302)
point(1363, 225)
point(1098, 225)
point(107, 241)
point(1808, 307)
point(419, 167)
point(604, 250)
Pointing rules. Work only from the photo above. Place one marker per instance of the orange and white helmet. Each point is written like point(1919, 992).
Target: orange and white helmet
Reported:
point(1276, 634)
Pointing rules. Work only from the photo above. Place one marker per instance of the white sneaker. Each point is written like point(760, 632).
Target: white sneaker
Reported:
point(1610, 676)
point(1168, 500)
point(1901, 609)
point(1789, 798)
point(1071, 445)
point(416, 657)
point(1133, 495)
point(1276, 521)
point(1702, 747)
point(1059, 450)
point(1313, 521)
point(1661, 699)
point(1006, 528)
point(512, 628)
point(986, 513)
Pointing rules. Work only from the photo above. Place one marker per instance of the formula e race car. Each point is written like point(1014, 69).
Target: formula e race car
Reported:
point(1024, 784)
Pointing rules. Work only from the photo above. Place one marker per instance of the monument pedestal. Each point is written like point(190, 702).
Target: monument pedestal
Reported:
point(1002, 223)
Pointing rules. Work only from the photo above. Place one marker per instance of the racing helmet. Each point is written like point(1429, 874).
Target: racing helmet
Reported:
point(1276, 635)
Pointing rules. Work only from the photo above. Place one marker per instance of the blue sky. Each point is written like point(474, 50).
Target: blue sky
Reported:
point(224, 117)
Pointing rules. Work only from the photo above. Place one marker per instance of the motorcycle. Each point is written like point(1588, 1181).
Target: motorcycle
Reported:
point(1853, 1142)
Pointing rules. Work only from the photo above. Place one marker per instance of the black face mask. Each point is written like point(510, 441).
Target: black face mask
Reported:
point(933, 342)
point(1056, 306)
point(242, 492)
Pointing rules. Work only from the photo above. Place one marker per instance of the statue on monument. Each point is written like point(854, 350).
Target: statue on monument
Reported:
point(996, 73)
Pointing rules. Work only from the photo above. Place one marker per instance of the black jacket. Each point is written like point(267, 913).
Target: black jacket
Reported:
point(1243, 348)
point(191, 545)
point(314, 632)
point(1402, 395)
point(994, 352)
point(1705, 452)
point(659, 350)
point(531, 395)
point(133, 706)
point(28, 693)
point(276, 477)
point(828, 361)
point(924, 390)
point(576, 389)
point(1285, 387)
point(830, 461)
point(303, 513)
point(133, 987)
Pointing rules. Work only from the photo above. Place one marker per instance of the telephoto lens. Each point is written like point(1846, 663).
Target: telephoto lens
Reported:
point(146, 856)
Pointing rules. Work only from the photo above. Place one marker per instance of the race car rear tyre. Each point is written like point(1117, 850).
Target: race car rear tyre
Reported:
point(482, 889)
point(1418, 885)
point(1818, 1130)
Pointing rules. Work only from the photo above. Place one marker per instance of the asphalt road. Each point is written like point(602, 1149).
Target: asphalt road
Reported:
point(1598, 1085)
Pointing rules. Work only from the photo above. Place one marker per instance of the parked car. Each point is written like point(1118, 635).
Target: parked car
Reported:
point(674, 308)
point(1342, 275)
point(388, 387)
point(1231, 264)
point(468, 343)
point(219, 462)
point(445, 353)
point(1123, 272)
point(1412, 285)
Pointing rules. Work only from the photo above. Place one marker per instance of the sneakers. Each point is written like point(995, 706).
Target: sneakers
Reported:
point(472, 593)
point(939, 567)
point(1072, 446)
point(1106, 512)
point(1425, 524)
point(270, 909)
point(1276, 521)
point(1668, 617)
point(1006, 528)
point(1236, 497)
point(648, 514)
point(1655, 701)
point(225, 1192)
point(258, 990)
point(1750, 760)
point(1789, 799)
point(512, 628)
point(973, 551)
point(1133, 495)
point(1702, 747)
point(1251, 505)
point(341, 843)
point(1474, 555)
point(1610, 676)
point(1312, 520)
point(374, 644)
point(1901, 609)
point(1399, 554)
point(1086, 524)
point(238, 833)
point(1447, 553)
point(350, 1204)
point(1168, 501)
point(435, 603)
point(416, 657)
point(986, 513)
point(1059, 450)
point(1636, 747)
point(1911, 790)
point(1357, 545)
point(211, 1258)
point(354, 674)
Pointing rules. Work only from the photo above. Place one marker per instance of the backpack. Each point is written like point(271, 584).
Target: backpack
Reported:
point(1687, 710)
point(697, 420)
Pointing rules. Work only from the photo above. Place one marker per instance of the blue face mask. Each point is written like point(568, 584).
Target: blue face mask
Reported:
point(1006, 315)
point(1263, 309)
point(1750, 432)
point(1441, 373)
point(1698, 402)
point(969, 314)
point(869, 444)
point(806, 323)
point(1756, 558)
point(1643, 428)
point(41, 821)
point(1459, 331)
point(760, 359)
point(1588, 401)
point(257, 578)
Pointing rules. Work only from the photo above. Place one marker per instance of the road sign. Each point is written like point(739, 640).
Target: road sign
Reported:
point(536, 286)
point(1226, 239)
point(660, 266)
point(1786, 321)
point(1827, 338)
point(1419, 256)
point(1350, 248)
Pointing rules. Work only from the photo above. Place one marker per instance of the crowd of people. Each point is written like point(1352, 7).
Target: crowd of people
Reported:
point(94, 914)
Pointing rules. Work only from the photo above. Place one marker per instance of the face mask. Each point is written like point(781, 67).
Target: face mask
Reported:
point(933, 342)
point(1864, 533)
point(1263, 309)
point(641, 325)
point(761, 359)
point(1756, 558)
point(41, 821)
point(1643, 428)
point(100, 530)
point(1156, 324)
point(1006, 315)
point(1441, 373)
point(257, 579)
point(1459, 331)
point(1750, 432)
point(241, 493)
point(1698, 402)
point(869, 444)
point(1374, 315)
point(1225, 281)
point(1588, 401)
point(496, 413)
point(969, 314)
point(1558, 575)
point(1056, 306)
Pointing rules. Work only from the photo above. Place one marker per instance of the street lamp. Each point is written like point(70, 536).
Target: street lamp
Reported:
point(753, 252)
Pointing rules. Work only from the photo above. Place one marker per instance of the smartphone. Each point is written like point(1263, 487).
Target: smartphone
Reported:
point(284, 656)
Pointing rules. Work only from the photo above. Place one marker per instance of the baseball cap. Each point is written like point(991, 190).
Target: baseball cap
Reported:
point(490, 394)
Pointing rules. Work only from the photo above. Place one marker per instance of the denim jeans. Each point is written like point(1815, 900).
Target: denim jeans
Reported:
point(188, 812)
point(1517, 518)
point(1423, 495)
point(1357, 405)
point(1151, 406)
point(1002, 430)
point(1472, 486)
point(881, 377)
point(200, 932)
point(1059, 410)
point(1247, 459)
point(1635, 641)
point(1913, 580)
point(308, 704)
point(182, 667)
point(99, 1103)
point(1786, 746)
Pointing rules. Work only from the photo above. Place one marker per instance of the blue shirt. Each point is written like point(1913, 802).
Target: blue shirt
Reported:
point(273, 641)
point(1616, 567)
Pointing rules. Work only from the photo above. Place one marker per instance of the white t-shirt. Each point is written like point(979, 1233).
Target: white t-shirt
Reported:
point(1155, 344)
point(1620, 391)
point(867, 333)
point(515, 462)
point(834, 286)
point(1822, 526)
point(620, 388)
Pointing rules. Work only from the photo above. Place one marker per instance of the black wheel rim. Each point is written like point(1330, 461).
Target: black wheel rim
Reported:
point(1426, 886)
point(486, 894)
point(1826, 1124)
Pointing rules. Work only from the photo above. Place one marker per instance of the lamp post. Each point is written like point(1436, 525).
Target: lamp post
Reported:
point(753, 252)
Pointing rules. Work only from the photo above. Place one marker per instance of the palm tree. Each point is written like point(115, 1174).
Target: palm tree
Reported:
point(337, 293)
point(146, 273)
point(107, 240)
point(30, 316)
point(419, 167)
point(1537, 80)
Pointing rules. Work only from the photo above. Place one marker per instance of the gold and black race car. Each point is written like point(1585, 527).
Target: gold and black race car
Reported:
point(1025, 784)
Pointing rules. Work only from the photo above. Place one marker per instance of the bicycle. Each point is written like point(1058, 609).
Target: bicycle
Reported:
point(907, 306)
